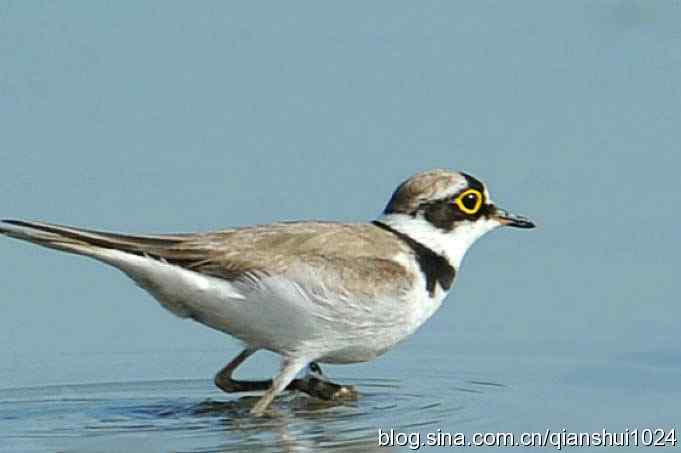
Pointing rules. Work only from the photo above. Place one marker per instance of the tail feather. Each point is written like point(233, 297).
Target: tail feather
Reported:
point(162, 265)
point(79, 240)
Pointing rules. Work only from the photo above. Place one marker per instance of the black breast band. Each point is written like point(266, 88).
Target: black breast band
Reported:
point(435, 267)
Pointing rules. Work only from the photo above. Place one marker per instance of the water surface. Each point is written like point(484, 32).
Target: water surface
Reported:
point(498, 394)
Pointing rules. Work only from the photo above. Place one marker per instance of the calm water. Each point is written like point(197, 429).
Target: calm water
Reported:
point(495, 394)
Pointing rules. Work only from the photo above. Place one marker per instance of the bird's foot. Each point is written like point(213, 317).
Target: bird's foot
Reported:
point(325, 390)
point(317, 385)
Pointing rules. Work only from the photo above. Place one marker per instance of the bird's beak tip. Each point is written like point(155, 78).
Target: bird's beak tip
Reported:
point(507, 219)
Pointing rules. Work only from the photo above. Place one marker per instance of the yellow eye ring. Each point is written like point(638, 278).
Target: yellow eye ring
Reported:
point(469, 201)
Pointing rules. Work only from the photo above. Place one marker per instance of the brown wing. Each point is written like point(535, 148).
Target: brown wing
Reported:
point(354, 256)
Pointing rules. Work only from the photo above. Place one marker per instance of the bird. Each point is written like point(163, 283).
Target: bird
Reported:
point(312, 292)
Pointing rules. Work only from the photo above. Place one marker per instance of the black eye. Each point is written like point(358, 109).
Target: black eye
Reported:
point(469, 201)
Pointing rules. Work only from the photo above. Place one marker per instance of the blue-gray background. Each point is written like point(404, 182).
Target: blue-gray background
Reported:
point(180, 116)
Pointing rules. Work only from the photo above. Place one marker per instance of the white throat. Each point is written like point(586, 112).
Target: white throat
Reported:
point(453, 245)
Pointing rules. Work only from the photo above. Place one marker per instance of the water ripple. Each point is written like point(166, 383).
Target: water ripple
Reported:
point(189, 416)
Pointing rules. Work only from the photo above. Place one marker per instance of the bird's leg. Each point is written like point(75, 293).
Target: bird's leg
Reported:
point(315, 384)
point(224, 377)
point(225, 382)
point(290, 367)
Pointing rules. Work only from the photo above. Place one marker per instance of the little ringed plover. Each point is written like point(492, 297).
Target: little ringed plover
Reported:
point(313, 292)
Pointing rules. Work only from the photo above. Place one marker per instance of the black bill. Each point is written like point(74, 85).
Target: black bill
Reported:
point(508, 219)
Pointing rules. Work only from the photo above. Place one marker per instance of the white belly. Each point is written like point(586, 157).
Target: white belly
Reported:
point(277, 314)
